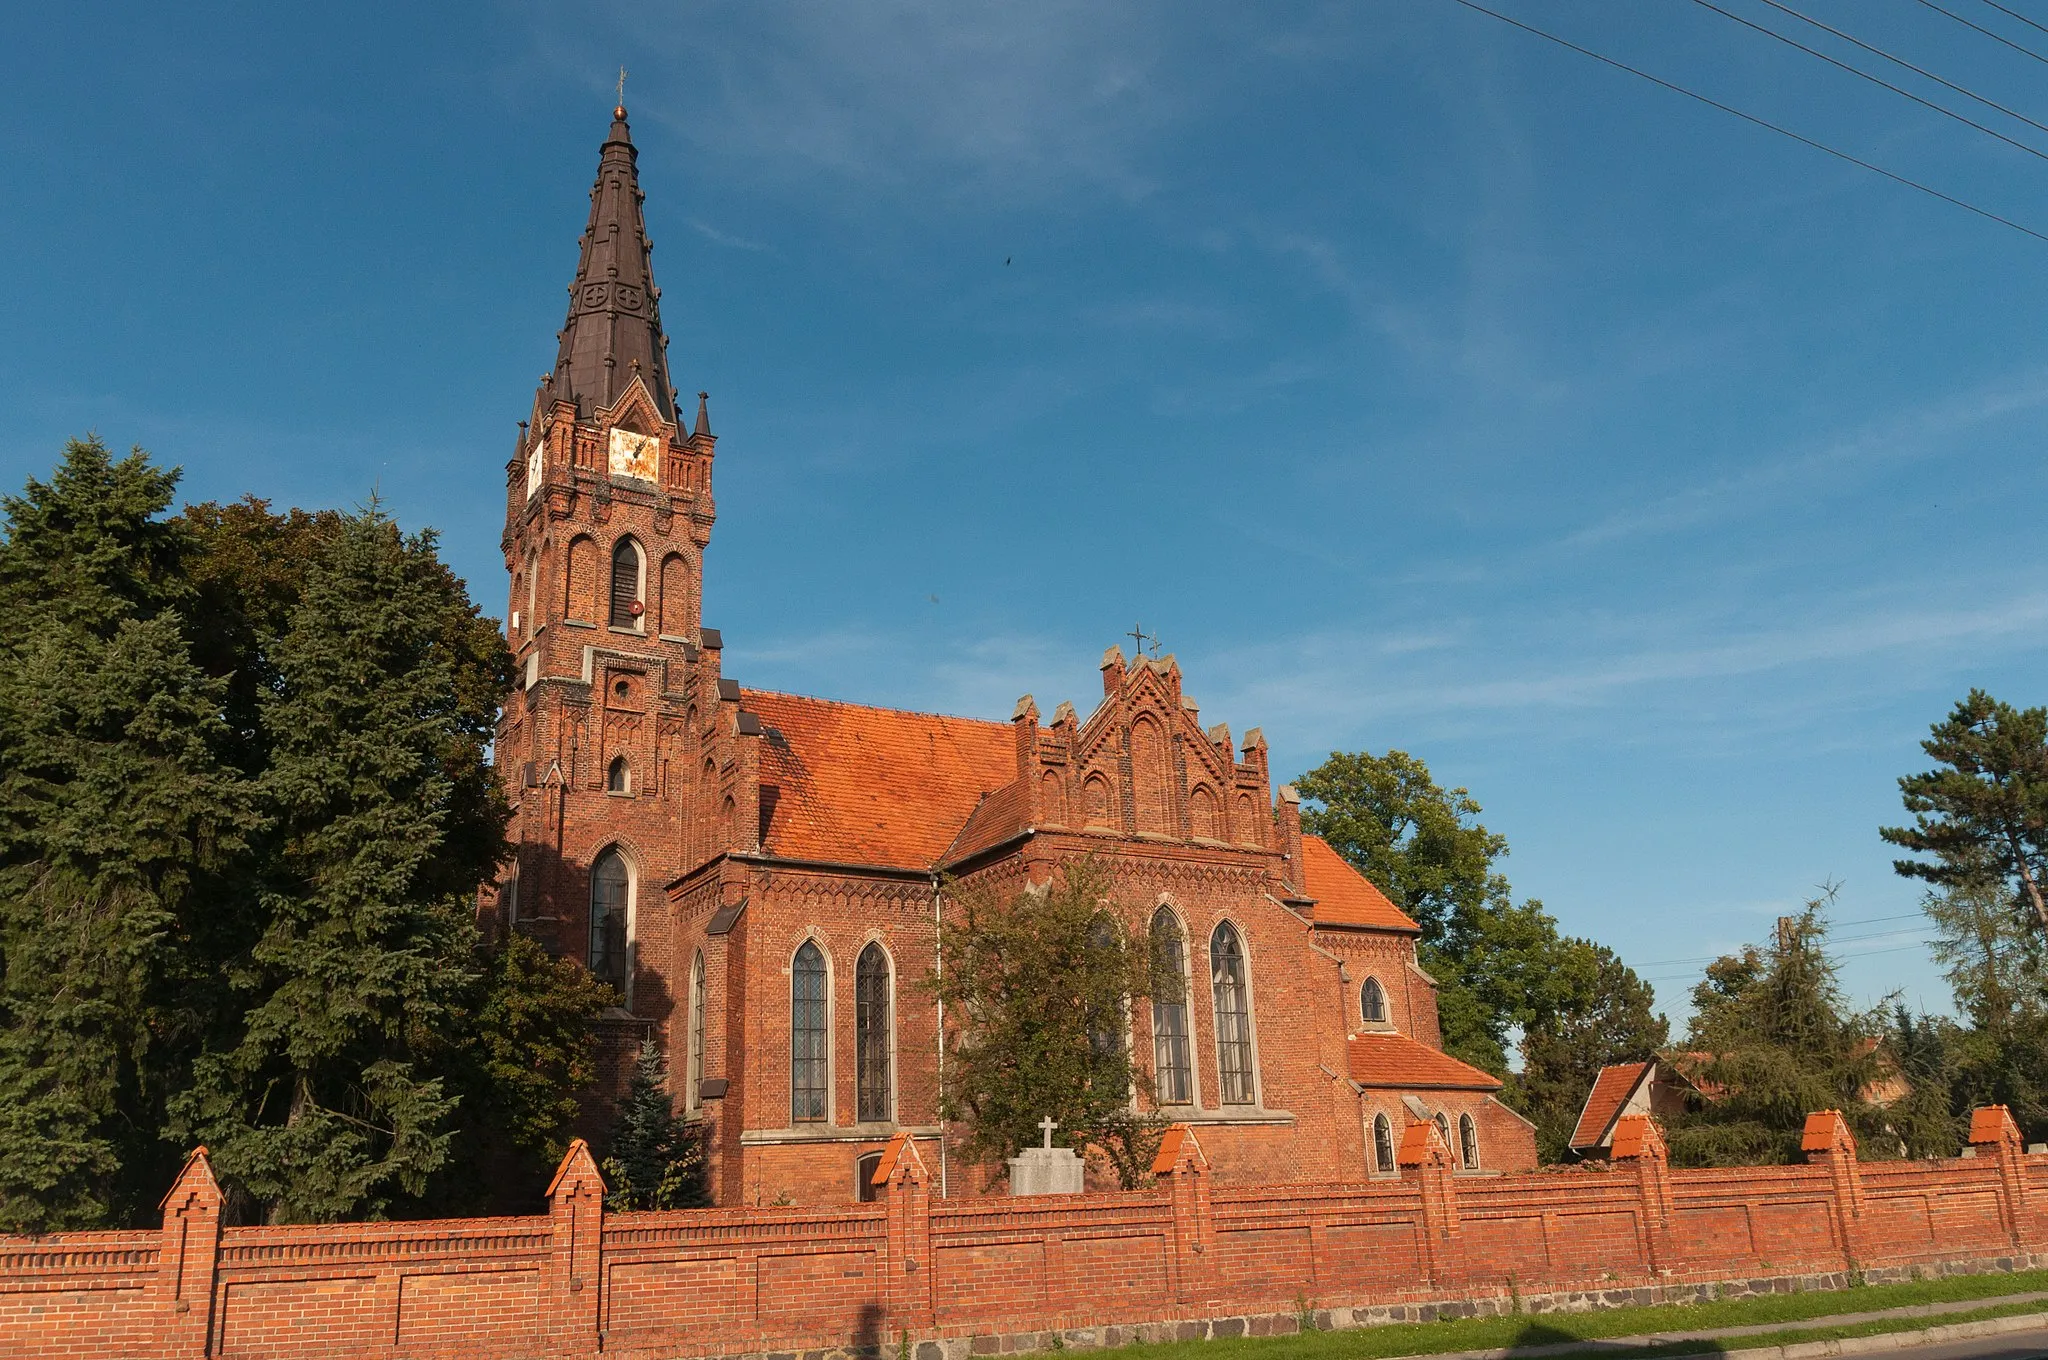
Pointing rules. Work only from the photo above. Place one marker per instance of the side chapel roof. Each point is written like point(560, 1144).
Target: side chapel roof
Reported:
point(1395, 1060)
point(1344, 896)
point(877, 786)
point(614, 328)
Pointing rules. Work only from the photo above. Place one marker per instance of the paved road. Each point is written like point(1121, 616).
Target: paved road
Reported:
point(2011, 1346)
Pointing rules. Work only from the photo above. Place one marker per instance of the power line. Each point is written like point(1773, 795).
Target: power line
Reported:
point(1901, 61)
point(1995, 37)
point(2015, 14)
point(1767, 125)
point(1862, 74)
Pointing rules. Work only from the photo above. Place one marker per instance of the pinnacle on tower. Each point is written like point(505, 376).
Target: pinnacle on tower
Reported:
point(614, 328)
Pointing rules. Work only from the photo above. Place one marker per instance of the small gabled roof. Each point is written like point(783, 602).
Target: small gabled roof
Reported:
point(1344, 896)
point(1396, 1062)
point(1612, 1090)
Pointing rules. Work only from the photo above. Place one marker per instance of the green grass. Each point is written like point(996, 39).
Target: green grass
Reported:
point(1543, 1329)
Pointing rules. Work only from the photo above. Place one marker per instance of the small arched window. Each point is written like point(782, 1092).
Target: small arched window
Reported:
point(1468, 1142)
point(627, 586)
point(1233, 1016)
point(864, 1188)
point(611, 910)
point(695, 1067)
point(1174, 1073)
point(618, 778)
point(1443, 1130)
point(807, 1064)
point(1382, 1143)
point(871, 1033)
point(1372, 1002)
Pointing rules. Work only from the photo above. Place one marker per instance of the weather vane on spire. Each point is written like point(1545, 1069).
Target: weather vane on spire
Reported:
point(622, 87)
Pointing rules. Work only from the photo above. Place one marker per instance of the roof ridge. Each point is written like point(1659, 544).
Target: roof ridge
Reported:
point(874, 708)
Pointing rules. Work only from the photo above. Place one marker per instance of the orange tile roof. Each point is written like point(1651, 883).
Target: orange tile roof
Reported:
point(1000, 816)
point(1397, 1061)
point(881, 786)
point(1344, 896)
point(1611, 1090)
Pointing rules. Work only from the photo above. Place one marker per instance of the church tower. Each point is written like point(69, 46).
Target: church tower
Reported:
point(608, 511)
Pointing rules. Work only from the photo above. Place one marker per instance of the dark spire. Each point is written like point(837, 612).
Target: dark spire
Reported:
point(703, 414)
point(614, 325)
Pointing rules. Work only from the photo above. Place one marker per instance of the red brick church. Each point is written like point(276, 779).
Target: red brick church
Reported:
point(759, 873)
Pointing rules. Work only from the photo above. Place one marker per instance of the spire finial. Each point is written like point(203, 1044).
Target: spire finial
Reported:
point(620, 110)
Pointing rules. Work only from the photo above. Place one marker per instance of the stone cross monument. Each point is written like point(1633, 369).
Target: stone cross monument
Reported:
point(1046, 1170)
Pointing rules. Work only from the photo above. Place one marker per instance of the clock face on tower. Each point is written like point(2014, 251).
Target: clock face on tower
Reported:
point(633, 455)
point(535, 458)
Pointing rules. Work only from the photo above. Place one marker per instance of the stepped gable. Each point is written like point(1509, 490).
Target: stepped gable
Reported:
point(1344, 896)
point(1611, 1091)
point(1398, 1061)
point(613, 333)
point(872, 786)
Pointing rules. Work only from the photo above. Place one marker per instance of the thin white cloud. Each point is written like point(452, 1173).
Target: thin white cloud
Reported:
point(717, 237)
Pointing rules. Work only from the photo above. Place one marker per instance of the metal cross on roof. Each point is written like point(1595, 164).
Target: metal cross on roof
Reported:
point(1048, 1126)
point(1141, 637)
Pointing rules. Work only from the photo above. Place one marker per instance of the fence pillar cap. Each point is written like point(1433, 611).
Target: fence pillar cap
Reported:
point(1636, 1136)
point(1423, 1145)
point(901, 1164)
point(1179, 1151)
point(577, 1174)
point(1827, 1131)
point(1991, 1125)
point(195, 1182)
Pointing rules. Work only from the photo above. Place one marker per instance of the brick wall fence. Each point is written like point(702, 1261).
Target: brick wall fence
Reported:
point(954, 1278)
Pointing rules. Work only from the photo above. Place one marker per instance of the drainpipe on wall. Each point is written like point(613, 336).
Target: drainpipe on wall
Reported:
point(939, 971)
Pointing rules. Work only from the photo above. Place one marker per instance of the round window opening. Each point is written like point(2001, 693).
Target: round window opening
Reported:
point(622, 689)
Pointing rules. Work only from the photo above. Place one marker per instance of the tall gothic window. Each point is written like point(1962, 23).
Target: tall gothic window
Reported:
point(871, 1034)
point(1105, 1029)
point(696, 1059)
point(1233, 1016)
point(807, 1036)
point(1170, 1064)
point(1468, 1142)
point(1372, 1002)
point(611, 904)
point(1443, 1129)
point(626, 593)
point(1382, 1143)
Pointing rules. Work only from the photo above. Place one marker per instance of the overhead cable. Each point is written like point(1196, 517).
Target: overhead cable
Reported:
point(1764, 123)
point(1902, 62)
point(1862, 74)
point(2016, 14)
point(1995, 37)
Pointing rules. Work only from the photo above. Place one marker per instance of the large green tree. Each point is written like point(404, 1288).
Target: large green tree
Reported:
point(1501, 966)
point(333, 1098)
point(1982, 812)
point(119, 828)
point(1036, 982)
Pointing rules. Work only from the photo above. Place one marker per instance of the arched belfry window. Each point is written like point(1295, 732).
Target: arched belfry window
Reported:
point(1372, 1002)
point(871, 1034)
point(807, 1036)
point(628, 584)
point(611, 911)
point(1468, 1142)
point(1170, 1064)
point(1382, 1143)
point(1233, 1016)
point(618, 778)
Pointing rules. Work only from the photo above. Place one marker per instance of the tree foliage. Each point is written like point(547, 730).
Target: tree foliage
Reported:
point(1771, 1041)
point(654, 1160)
point(1982, 812)
point(1037, 983)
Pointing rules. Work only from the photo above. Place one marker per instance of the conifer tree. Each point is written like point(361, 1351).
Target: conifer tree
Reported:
point(384, 819)
point(117, 824)
point(653, 1159)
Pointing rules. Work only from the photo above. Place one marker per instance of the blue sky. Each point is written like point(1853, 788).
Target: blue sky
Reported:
point(1420, 384)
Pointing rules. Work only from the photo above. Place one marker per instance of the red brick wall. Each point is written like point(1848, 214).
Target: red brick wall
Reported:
point(575, 1281)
